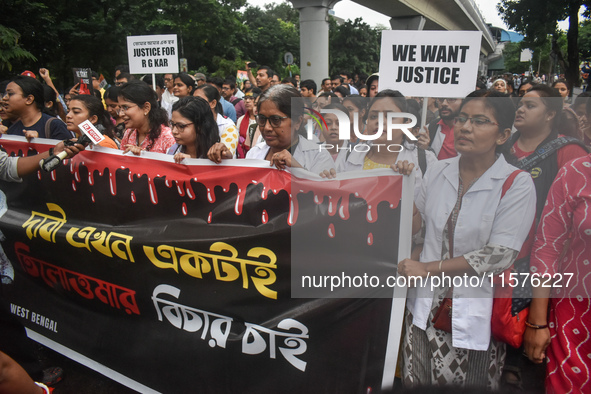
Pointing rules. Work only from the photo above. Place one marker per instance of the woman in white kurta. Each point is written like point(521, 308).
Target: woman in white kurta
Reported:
point(469, 231)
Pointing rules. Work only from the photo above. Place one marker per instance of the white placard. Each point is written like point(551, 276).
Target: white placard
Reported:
point(156, 54)
point(430, 63)
point(91, 132)
point(526, 55)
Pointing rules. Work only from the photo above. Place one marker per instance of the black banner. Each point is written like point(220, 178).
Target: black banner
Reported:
point(178, 278)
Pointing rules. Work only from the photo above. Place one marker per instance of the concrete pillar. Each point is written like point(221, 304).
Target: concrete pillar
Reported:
point(314, 61)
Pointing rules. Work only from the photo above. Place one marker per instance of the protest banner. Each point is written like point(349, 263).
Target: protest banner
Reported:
point(156, 54)
point(177, 278)
point(430, 63)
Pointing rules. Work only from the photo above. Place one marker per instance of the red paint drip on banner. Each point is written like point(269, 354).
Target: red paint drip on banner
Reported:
point(338, 192)
point(264, 217)
point(331, 233)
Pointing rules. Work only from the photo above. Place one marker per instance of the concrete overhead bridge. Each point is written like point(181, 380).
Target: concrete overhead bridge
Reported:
point(404, 15)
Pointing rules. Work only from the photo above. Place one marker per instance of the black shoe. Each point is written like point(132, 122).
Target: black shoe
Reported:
point(52, 376)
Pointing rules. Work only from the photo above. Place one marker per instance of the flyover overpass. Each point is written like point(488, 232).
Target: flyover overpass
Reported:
point(404, 15)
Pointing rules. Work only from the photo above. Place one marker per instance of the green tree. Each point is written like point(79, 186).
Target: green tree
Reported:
point(271, 32)
point(511, 55)
point(537, 20)
point(354, 46)
point(585, 39)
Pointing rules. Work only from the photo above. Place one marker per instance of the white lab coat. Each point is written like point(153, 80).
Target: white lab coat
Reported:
point(484, 218)
point(307, 153)
point(438, 139)
point(344, 151)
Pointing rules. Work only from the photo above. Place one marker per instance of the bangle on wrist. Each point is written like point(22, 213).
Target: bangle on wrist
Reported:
point(535, 326)
point(440, 270)
point(51, 151)
point(44, 387)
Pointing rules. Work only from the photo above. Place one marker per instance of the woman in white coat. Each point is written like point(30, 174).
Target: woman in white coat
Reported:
point(469, 231)
point(281, 126)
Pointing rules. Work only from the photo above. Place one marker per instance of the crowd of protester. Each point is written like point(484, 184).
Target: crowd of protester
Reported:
point(489, 167)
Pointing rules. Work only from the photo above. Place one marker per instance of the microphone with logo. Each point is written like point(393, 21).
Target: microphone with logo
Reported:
point(90, 135)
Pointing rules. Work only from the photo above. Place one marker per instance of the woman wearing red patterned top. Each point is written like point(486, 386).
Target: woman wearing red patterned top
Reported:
point(562, 333)
point(146, 124)
point(537, 144)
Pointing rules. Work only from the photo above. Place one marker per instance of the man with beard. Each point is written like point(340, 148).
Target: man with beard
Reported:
point(441, 130)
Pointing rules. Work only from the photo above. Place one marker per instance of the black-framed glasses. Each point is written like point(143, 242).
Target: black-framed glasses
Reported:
point(478, 122)
point(275, 120)
point(180, 126)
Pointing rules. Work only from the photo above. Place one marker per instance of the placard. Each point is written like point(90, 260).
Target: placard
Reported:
point(157, 54)
point(430, 63)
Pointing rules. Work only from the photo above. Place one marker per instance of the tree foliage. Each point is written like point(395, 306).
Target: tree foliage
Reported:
point(10, 49)
point(538, 20)
point(214, 35)
point(354, 46)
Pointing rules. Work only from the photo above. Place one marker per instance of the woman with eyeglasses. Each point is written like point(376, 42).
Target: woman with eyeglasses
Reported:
point(282, 129)
point(471, 230)
point(146, 123)
point(193, 128)
point(227, 130)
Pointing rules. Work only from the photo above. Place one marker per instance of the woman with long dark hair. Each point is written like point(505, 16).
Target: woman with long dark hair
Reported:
point(227, 129)
point(146, 123)
point(193, 128)
point(539, 122)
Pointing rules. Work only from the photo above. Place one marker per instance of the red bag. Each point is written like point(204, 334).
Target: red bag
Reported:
point(442, 318)
point(507, 326)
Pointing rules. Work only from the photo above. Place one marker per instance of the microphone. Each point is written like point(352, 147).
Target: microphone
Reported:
point(90, 134)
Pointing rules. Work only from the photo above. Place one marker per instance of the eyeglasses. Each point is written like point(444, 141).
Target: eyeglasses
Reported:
point(167, 79)
point(179, 126)
point(477, 122)
point(449, 100)
point(275, 120)
point(125, 108)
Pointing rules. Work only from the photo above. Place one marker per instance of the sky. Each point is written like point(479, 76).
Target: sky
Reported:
point(348, 9)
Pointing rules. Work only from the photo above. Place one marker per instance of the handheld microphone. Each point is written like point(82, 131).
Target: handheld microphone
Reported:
point(90, 134)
